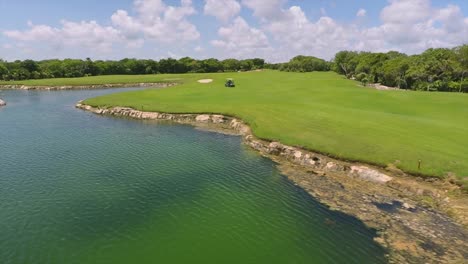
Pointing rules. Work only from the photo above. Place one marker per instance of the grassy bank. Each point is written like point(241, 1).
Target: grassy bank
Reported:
point(326, 113)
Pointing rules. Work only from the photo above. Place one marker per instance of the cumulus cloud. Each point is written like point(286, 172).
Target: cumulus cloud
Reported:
point(223, 10)
point(295, 34)
point(241, 40)
point(406, 11)
point(413, 26)
point(280, 33)
point(35, 32)
point(265, 9)
point(157, 21)
point(406, 25)
point(153, 20)
point(85, 34)
point(361, 12)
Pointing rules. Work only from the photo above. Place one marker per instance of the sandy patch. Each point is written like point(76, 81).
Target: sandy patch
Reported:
point(205, 80)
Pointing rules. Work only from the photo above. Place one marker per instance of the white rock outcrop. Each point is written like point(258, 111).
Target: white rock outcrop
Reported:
point(369, 174)
point(202, 118)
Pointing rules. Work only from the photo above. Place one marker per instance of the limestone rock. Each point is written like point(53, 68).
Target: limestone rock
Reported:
point(275, 148)
point(369, 174)
point(234, 123)
point(202, 118)
point(407, 206)
point(297, 154)
point(256, 144)
point(332, 166)
point(149, 115)
point(244, 129)
point(217, 119)
point(240, 127)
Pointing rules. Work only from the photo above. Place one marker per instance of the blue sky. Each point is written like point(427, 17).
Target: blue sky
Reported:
point(273, 29)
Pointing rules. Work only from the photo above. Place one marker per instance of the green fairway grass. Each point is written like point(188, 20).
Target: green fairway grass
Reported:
point(102, 79)
point(324, 112)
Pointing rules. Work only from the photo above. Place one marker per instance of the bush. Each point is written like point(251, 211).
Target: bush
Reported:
point(464, 87)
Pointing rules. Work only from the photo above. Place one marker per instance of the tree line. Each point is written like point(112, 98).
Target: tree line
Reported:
point(438, 69)
point(302, 64)
point(29, 69)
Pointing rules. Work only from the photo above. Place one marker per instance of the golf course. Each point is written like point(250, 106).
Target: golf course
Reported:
point(419, 132)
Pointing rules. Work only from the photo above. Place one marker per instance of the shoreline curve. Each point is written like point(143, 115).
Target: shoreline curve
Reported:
point(85, 87)
point(389, 201)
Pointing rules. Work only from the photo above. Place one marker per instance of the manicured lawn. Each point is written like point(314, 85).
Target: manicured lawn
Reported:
point(326, 113)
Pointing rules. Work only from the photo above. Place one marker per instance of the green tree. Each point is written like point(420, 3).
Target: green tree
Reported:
point(305, 64)
point(395, 72)
point(90, 68)
point(461, 55)
point(29, 65)
point(345, 63)
point(258, 63)
point(3, 70)
point(231, 65)
point(211, 65)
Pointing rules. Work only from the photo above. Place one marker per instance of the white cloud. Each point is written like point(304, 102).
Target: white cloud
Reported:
point(127, 24)
point(295, 34)
point(406, 11)
point(265, 9)
point(241, 40)
point(156, 21)
point(36, 32)
point(407, 25)
point(282, 32)
point(153, 20)
point(361, 12)
point(413, 26)
point(223, 10)
point(88, 34)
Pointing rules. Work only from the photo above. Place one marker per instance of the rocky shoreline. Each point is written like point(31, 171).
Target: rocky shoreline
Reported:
point(410, 214)
point(86, 87)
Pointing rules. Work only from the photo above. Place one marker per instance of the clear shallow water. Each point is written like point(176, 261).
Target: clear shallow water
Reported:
point(81, 188)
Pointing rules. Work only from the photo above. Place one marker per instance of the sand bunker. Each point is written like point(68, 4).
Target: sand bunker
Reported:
point(205, 80)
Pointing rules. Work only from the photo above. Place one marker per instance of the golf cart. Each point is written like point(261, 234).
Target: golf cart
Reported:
point(230, 83)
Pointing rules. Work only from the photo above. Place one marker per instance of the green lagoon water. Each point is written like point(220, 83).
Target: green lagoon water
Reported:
point(81, 188)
